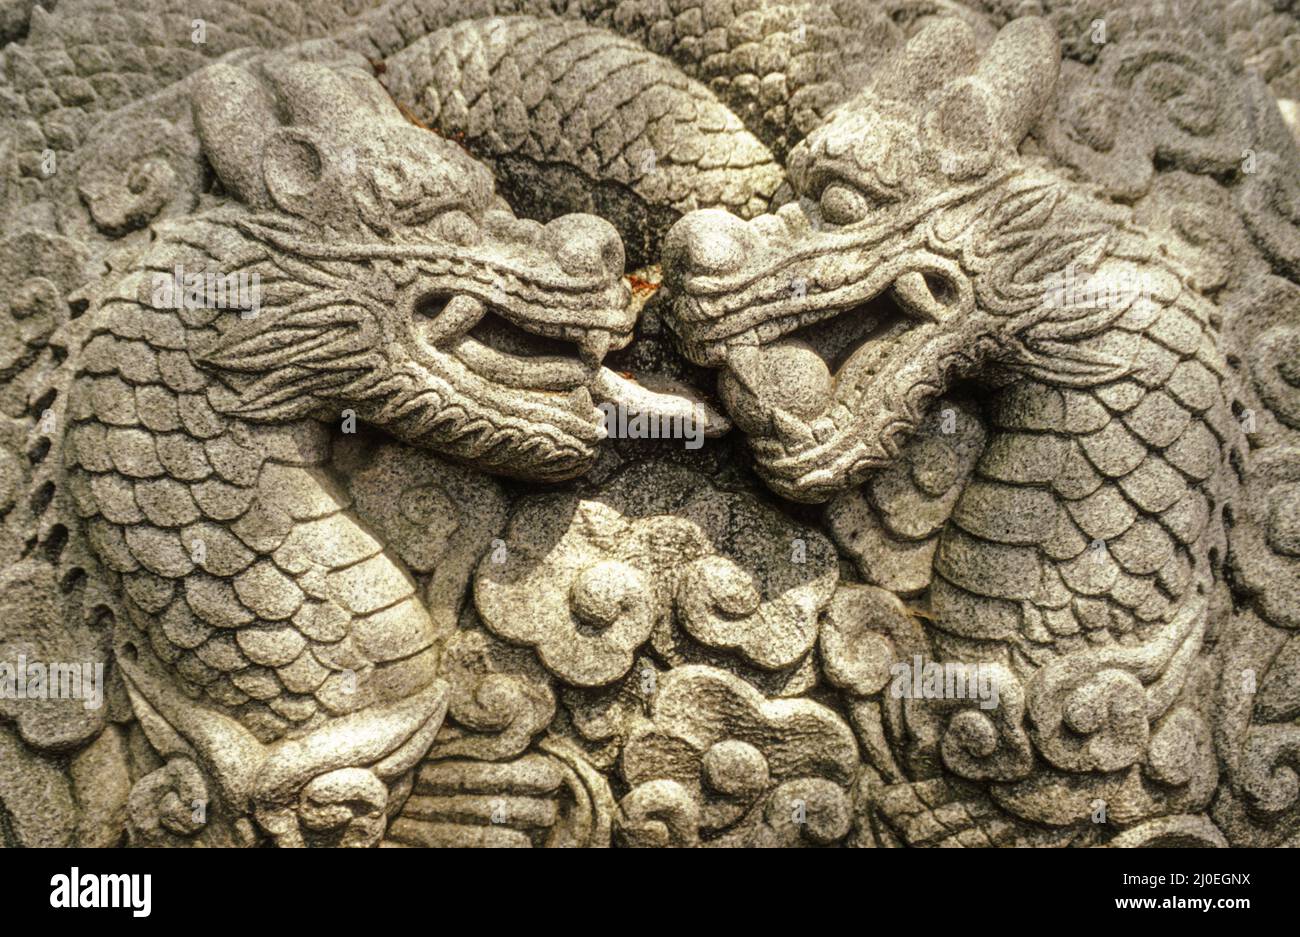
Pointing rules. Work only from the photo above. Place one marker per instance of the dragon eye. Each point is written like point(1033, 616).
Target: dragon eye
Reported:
point(843, 204)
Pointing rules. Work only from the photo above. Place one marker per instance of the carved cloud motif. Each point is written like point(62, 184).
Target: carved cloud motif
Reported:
point(714, 748)
point(586, 581)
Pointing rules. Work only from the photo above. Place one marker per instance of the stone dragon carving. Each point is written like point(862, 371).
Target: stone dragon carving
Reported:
point(1073, 552)
point(1004, 316)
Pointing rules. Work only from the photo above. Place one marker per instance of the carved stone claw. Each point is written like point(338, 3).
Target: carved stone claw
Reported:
point(346, 807)
point(333, 780)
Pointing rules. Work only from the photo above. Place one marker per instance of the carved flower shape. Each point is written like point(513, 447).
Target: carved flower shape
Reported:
point(762, 593)
point(500, 698)
point(33, 307)
point(856, 645)
point(165, 805)
point(437, 516)
point(1266, 544)
point(558, 591)
point(1090, 128)
point(1195, 217)
point(714, 748)
point(586, 581)
point(1269, 194)
point(1152, 95)
point(751, 585)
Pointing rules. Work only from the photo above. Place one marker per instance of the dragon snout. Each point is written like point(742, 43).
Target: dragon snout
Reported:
point(584, 245)
point(709, 242)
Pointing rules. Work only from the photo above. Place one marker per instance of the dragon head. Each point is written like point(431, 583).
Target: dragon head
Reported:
point(392, 280)
point(917, 249)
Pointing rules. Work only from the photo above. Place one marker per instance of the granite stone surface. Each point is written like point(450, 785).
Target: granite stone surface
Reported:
point(649, 423)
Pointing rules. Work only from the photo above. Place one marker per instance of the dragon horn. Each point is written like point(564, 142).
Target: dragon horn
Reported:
point(941, 52)
point(235, 114)
point(1020, 71)
point(995, 107)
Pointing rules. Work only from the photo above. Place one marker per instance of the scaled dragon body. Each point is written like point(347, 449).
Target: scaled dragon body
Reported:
point(198, 436)
point(1074, 541)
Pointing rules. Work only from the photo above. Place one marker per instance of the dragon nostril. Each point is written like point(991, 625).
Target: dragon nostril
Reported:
point(584, 245)
point(932, 294)
point(709, 242)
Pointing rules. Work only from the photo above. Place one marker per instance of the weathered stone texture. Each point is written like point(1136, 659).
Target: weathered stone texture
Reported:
point(716, 422)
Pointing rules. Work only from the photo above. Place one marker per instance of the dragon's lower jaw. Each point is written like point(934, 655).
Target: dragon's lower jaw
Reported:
point(505, 391)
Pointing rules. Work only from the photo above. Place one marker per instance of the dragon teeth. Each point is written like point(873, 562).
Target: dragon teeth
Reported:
point(592, 347)
point(580, 399)
point(793, 431)
point(460, 315)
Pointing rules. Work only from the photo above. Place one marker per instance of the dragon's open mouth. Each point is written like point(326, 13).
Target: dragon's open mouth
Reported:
point(498, 350)
point(497, 346)
point(553, 366)
point(852, 346)
point(830, 397)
